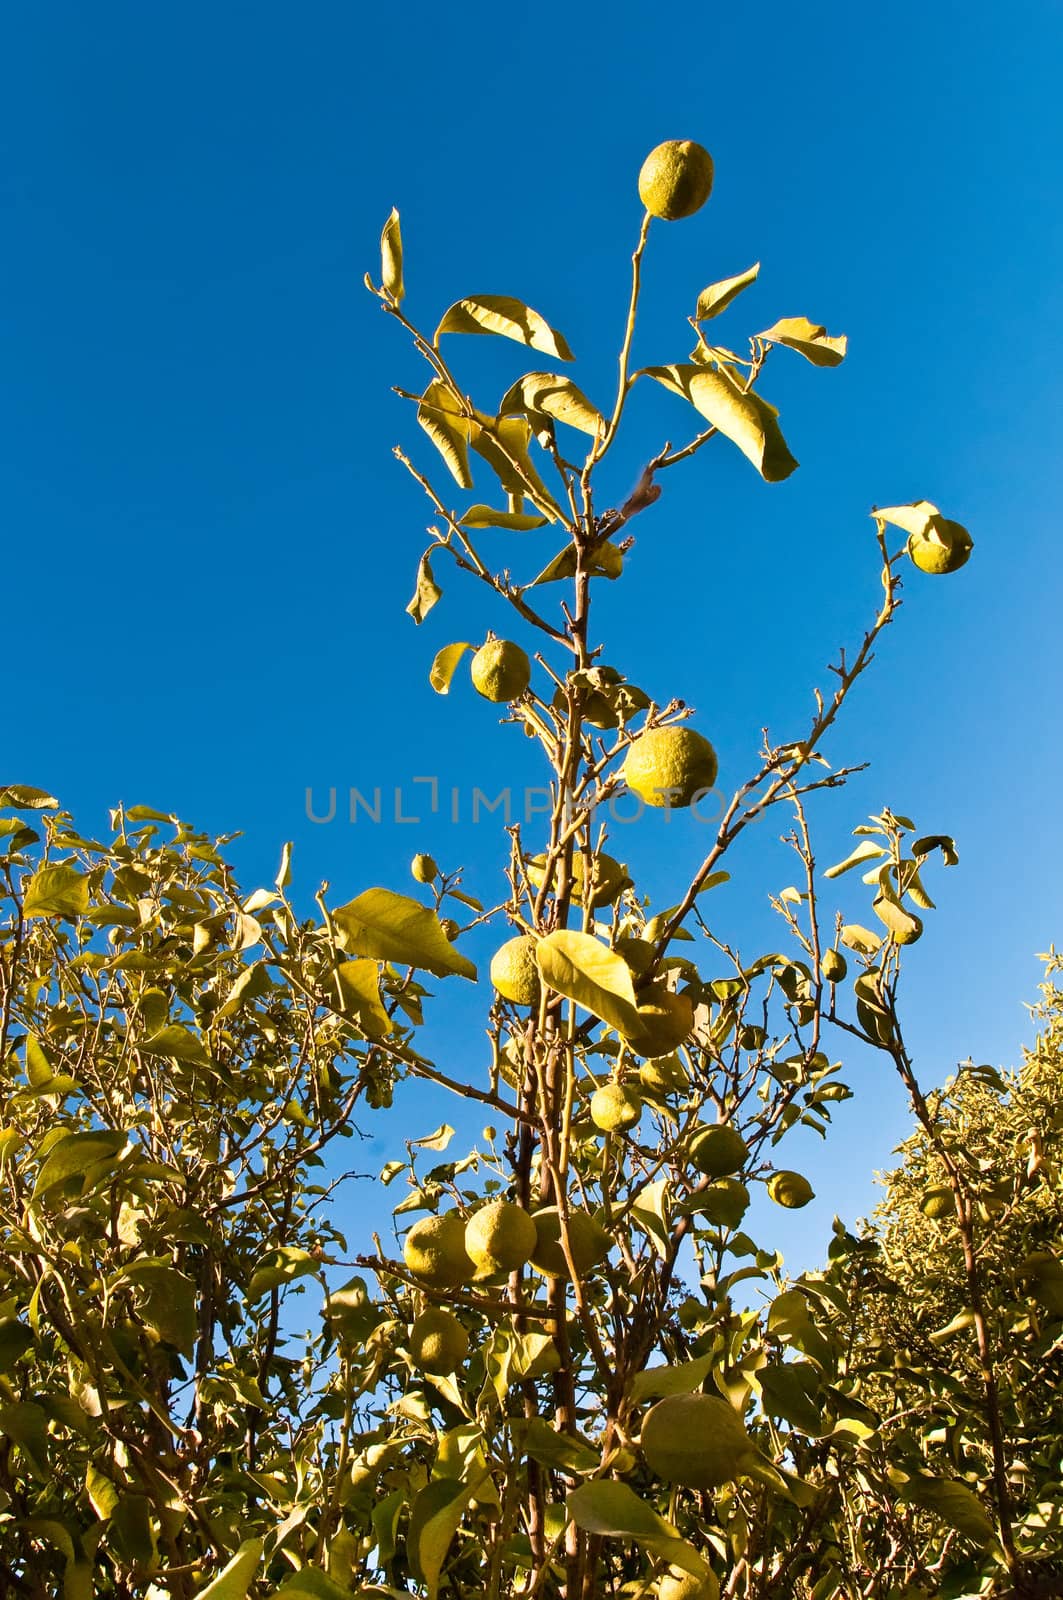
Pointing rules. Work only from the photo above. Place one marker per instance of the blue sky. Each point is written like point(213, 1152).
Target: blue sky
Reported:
point(209, 546)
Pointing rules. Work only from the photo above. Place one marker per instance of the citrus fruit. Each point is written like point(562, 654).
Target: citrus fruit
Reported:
point(666, 1075)
point(424, 869)
point(500, 1237)
point(790, 1189)
point(718, 1150)
point(679, 1585)
point(500, 670)
point(664, 1021)
point(434, 1250)
point(941, 547)
point(676, 179)
point(833, 966)
point(615, 1107)
point(438, 1342)
point(669, 766)
point(938, 1202)
point(608, 878)
point(696, 1440)
point(514, 971)
point(590, 1242)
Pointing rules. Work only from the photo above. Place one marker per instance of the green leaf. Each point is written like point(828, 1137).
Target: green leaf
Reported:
point(132, 1530)
point(26, 1424)
point(59, 891)
point(427, 592)
point(56, 1532)
point(789, 1390)
point(22, 797)
point(868, 851)
point(167, 1303)
point(180, 1043)
point(278, 1266)
point(615, 1511)
point(435, 1517)
point(392, 927)
point(503, 443)
point(809, 339)
point(584, 969)
point(936, 841)
point(72, 1154)
point(649, 1212)
point(439, 415)
point(500, 313)
point(718, 296)
point(358, 986)
point(310, 1581)
point(487, 517)
point(391, 258)
point(741, 416)
point(437, 1140)
point(234, 1580)
point(445, 665)
point(103, 1496)
point(551, 394)
point(79, 1580)
point(15, 1340)
point(560, 1451)
point(952, 1501)
point(606, 562)
point(656, 1382)
point(252, 983)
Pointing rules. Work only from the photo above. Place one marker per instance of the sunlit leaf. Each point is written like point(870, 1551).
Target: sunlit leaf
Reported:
point(559, 1451)
point(234, 1580)
point(427, 591)
point(654, 1383)
point(439, 415)
point(585, 970)
point(743, 417)
point(915, 518)
point(358, 985)
point(550, 394)
point(718, 296)
point(615, 1511)
point(435, 1517)
point(500, 313)
point(280, 1265)
point(487, 517)
point(391, 258)
point(59, 891)
point(71, 1155)
point(23, 797)
point(809, 339)
point(868, 851)
point(392, 927)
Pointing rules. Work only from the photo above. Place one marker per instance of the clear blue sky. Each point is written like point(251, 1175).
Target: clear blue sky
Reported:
point(209, 547)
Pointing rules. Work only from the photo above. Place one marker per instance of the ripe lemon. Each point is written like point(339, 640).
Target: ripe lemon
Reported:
point(718, 1150)
point(500, 670)
point(590, 1242)
point(664, 1021)
point(434, 1249)
point(790, 1189)
point(438, 1342)
point(500, 1237)
point(833, 966)
point(669, 766)
point(679, 1585)
point(615, 1107)
point(943, 546)
point(424, 869)
point(666, 1075)
point(696, 1440)
point(676, 179)
point(514, 971)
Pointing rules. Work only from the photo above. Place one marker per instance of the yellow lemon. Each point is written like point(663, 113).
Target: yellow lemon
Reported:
point(790, 1189)
point(943, 546)
point(434, 1249)
point(614, 1107)
point(669, 766)
point(590, 1242)
point(438, 1342)
point(500, 1237)
point(676, 179)
point(500, 670)
point(424, 869)
point(696, 1440)
point(514, 971)
point(664, 1021)
point(718, 1150)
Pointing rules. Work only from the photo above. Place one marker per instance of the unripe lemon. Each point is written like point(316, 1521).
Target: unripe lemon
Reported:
point(500, 670)
point(450, 928)
point(666, 1074)
point(434, 1249)
point(424, 869)
point(676, 179)
point(500, 1237)
point(679, 1585)
point(790, 1189)
point(833, 966)
point(938, 1202)
point(514, 971)
point(664, 1021)
point(615, 1107)
point(669, 766)
point(696, 1440)
point(590, 1242)
point(719, 1150)
point(942, 547)
point(438, 1342)
point(724, 1202)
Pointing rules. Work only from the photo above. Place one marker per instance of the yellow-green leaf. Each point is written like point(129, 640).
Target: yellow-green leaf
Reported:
point(743, 417)
point(439, 415)
point(435, 1517)
point(26, 1424)
point(23, 797)
point(103, 1496)
point(72, 1154)
point(915, 518)
point(551, 394)
point(503, 443)
point(559, 1451)
point(59, 891)
point(180, 1043)
point(167, 1303)
point(615, 1511)
point(606, 562)
point(277, 1267)
point(860, 939)
point(488, 517)
point(391, 258)
point(585, 970)
point(234, 1580)
point(391, 927)
point(426, 593)
point(445, 665)
point(501, 313)
point(809, 339)
point(358, 985)
point(653, 1383)
point(718, 296)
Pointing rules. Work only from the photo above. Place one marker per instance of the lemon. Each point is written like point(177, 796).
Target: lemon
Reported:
point(938, 1202)
point(676, 179)
point(790, 1189)
point(500, 670)
point(833, 966)
point(665, 1075)
point(590, 1242)
point(669, 766)
point(608, 878)
point(718, 1150)
point(424, 869)
point(514, 971)
point(724, 1202)
point(941, 547)
point(438, 1342)
point(614, 1108)
point(696, 1440)
point(434, 1250)
point(679, 1585)
point(664, 1021)
point(500, 1237)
